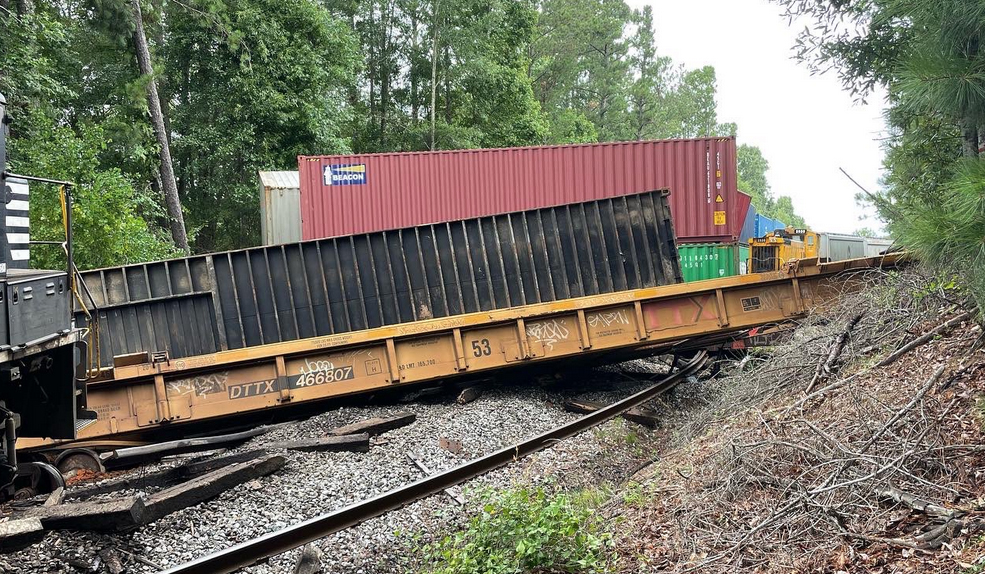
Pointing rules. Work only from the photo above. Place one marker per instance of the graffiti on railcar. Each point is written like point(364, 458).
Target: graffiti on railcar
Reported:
point(200, 386)
point(607, 318)
point(548, 332)
point(674, 313)
point(769, 298)
point(607, 323)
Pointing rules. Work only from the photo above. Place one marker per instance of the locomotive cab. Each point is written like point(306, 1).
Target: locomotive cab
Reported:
point(777, 248)
point(41, 390)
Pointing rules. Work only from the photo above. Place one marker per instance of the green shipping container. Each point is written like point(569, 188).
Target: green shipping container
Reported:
point(700, 261)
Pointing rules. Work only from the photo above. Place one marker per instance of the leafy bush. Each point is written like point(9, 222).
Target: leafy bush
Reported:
point(947, 230)
point(525, 530)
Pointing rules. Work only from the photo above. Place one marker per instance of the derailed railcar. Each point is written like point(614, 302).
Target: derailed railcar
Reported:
point(140, 399)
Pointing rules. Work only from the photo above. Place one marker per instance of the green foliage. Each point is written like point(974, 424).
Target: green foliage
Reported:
point(249, 85)
point(783, 210)
point(525, 530)
point(950, 233)
point(113, 221)
point(927, 53)
point(107, 222)
point(255, 97)
point(599, 60)
point(636, 494)
point(752, 168)
point(31, 47)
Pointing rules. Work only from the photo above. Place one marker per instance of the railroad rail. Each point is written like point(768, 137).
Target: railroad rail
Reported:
point(278, 542)
point(141, 399)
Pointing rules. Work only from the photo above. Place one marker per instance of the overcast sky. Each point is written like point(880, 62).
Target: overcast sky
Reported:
point(807, 126)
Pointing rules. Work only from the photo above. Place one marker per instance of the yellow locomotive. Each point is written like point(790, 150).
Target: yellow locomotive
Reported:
point(772, 251)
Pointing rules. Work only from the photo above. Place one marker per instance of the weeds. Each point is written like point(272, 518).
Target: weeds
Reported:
point(523, 530)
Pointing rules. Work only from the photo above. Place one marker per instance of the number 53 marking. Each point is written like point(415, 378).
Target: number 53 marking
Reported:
point(480, 348)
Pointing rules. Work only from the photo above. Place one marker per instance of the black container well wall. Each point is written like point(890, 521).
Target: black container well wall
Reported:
point(208, 303)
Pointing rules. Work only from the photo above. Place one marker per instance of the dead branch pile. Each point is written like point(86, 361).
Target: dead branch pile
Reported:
point(874, 462)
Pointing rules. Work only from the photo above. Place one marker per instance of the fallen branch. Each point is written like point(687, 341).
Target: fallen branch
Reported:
point(826, 368)
point(923, 339)
point(142, 560)
point(917, 503)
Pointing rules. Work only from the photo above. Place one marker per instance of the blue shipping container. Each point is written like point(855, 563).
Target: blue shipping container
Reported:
point(756, 225)
point(765, 224)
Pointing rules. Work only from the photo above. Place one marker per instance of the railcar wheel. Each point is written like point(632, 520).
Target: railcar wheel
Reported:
point(75, 459)
point(34, 478)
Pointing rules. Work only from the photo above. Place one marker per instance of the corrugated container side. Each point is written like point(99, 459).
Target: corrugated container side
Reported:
point(838, 247)
point(766, 224)
point(749, 226)
point(743, 204)
point(280, 207)
point(235, 299)
point(875, 246)
point(700, 261)
point(347, 194)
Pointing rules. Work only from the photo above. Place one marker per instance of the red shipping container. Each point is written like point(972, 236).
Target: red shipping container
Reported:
point(349, 194)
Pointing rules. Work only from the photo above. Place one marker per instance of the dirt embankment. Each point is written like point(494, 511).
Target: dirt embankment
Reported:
point(877, 468)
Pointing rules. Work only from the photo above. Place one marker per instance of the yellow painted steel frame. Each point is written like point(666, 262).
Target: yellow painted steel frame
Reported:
point(140, 398)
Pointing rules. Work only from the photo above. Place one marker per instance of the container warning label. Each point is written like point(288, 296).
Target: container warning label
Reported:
point(719, 218)
point(345, 174)
point(719, 199)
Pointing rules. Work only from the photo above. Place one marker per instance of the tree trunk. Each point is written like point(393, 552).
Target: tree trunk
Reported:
point(434, 70)
point(385, 77)
point(169, 187)
point(413, 72)
point(447, 84)
point(969, 138)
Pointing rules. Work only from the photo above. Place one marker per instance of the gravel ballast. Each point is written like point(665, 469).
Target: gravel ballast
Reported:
point(313, 483)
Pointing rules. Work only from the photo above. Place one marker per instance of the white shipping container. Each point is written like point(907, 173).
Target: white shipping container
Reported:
point(837, 247)
point(280, 207)
point(875, 246)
